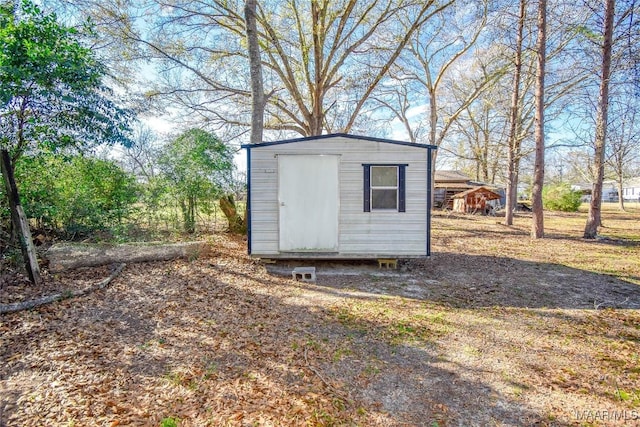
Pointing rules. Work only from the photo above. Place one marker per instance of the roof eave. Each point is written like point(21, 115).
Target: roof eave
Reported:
point(338, 135)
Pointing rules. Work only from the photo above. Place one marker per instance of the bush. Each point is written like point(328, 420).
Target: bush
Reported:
point(96, 194)
point(199, 168)
point(73, 194)
point(561, 198)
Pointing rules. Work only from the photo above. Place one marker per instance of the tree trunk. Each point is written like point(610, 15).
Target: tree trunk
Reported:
point(514, 142)
point(594, 218)
point(258, 100)
point(620, 198)
point(433, 122)
point(433, 118)
point(236, 223)
point(537, 225)
point(485, 156)
point(188, 222)
point(516, 179)
point(67, 256)
point(19, 220)
point(255, 71)
point(192, 213)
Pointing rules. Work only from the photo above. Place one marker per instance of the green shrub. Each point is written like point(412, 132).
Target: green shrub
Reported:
point(73, 194)
point(198, 168)
point(96, 194)
point(561, 197)
point(169, 422)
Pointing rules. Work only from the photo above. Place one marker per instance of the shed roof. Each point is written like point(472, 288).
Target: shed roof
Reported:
point(451, 176)
point(489, 194)
point(339, 135)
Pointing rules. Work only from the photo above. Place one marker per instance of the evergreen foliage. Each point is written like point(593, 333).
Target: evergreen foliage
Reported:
point(561, 197)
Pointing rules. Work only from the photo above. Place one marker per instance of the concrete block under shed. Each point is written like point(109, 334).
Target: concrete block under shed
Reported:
point(387, 263)
point(305, 274)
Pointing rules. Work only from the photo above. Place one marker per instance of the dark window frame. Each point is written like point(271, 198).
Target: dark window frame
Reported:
point(401, 204)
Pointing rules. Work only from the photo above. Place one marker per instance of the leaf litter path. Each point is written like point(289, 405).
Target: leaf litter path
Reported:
point(220, 341)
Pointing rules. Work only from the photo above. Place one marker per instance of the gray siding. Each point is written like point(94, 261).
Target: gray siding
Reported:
point(361, 234)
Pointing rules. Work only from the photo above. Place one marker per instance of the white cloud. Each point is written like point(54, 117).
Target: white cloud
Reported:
point(160, 125)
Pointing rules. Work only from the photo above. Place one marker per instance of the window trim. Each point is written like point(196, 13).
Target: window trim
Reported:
point(401, 198)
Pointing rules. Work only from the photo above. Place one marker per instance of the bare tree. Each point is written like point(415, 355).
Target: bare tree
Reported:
point(537, 225)
point(140, 158)
point(560, 85)
point(623, 143)
point(480, 129)
point(514, 141)
point(594, 217)
point(228, 202)
point(433, 54)
point(255, 67)
point(321, 60)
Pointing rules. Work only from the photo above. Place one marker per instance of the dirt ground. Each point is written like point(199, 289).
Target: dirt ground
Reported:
point(494, 329)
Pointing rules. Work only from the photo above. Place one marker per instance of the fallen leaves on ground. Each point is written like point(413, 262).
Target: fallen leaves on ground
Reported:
point(471, 337)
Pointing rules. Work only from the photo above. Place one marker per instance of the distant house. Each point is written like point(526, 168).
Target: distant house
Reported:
point(584, 189)
point(631, 190)
point(609, 190)
point(475, 200)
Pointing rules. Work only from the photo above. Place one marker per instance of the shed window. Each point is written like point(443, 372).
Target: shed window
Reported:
point(384, 187)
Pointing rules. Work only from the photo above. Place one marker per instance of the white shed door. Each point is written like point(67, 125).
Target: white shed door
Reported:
point(308, 198)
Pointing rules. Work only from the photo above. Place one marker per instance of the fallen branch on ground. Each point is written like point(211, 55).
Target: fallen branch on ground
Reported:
point(71, 255)
point(26, 305)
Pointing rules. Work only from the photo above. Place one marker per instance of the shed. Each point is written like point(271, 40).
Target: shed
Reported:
point(474, 200)
point(447, 183)
point(339, 196)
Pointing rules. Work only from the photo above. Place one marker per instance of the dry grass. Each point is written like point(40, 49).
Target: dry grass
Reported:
point(616, 252)
point(495, 329)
